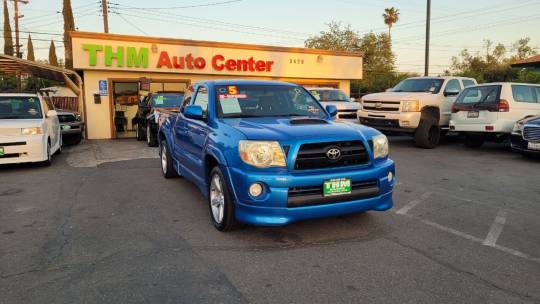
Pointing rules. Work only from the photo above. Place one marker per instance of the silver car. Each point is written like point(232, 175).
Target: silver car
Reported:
point(347, 107)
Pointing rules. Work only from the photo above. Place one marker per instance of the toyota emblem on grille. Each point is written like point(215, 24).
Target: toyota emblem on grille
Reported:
point(378, 105)
point(333, 153)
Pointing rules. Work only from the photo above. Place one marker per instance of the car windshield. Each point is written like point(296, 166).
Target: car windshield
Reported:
point(20, 108)
point(431, 85)
point(167, 100)
point(329, 95)
point(479, 94)
point(241, 101)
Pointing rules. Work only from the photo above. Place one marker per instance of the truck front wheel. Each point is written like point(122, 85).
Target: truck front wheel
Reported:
point(221, 202)
point(428, 133)
point(167, 167)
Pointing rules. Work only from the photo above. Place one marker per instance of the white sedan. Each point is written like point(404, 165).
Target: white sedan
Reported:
point(29, 129)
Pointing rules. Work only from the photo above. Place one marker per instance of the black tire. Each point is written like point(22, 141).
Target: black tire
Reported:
point(167, 167)
point(48, 161)
point(140, 132)
point(428, 133)
point(59, 151)
point(228, 219)
point(151, 137)
point(474, 140)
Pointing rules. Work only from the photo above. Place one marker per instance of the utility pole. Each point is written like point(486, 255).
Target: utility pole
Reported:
point(105, 16)
point(428, 18)
point(17, 17)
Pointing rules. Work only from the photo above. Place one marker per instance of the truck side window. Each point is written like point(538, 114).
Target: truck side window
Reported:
point(453, 86)
point(468, 83)
point(201, 98)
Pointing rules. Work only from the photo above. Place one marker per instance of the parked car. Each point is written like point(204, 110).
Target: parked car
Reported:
point(71, 126)
point(490, 111)
point(268, 153)
point(525, 136)
point(153, 109)
point(347, 107)
point(420, 106)
point(29, 129)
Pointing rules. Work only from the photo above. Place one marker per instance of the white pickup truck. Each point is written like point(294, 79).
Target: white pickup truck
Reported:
point(29, 129)
point(421, 106)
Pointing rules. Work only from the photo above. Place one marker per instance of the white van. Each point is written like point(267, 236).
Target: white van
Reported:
point(490, 111)
point(29, 129)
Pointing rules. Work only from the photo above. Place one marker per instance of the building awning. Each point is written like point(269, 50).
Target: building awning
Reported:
point(10, 65)
point(533, 61)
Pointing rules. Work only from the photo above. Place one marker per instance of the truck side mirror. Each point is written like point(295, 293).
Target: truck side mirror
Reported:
point(194, 112)
point(332, 110)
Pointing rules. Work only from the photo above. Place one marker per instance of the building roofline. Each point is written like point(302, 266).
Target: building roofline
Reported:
point(135, 38)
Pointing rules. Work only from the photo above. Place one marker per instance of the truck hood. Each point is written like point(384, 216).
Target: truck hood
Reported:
point(396, 96)
point(340, 105)
point(20, 123)
point(281, 129)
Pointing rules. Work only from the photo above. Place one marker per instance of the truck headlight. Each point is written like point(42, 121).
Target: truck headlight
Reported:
point(261, 154)
point(518, 127)
point(31, 131)
point(410, 105)
point(380, 146)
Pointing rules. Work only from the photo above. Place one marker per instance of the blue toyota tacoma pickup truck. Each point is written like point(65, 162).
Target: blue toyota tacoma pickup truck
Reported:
point(268, 153)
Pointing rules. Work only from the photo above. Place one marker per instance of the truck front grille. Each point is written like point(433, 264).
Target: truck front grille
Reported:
point(313, 195)
point(347, 114)
point(531, 133)
point(382, 106)
point(66, 118)
point(314, 156)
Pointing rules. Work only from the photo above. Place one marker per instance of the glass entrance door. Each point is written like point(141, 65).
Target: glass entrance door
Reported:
point(126, 101)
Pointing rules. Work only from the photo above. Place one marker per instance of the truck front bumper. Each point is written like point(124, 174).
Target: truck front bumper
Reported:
point(397, 121)
point(280, 203)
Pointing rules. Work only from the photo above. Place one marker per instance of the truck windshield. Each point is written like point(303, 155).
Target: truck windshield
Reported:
point(430, 85)
point(241, 101)
point(167, 100)
point(15, 107)
point(329, 95)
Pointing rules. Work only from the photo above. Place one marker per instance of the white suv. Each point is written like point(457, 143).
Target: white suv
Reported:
point(490, 111)
point(419, 105)
point(29, 129)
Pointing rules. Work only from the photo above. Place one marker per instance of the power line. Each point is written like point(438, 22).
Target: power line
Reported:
point(132, 24)
point(187, 6)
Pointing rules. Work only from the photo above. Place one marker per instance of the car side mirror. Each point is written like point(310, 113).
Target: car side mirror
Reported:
point(451, 93)
point(51, 113)
point(332, 110)
point(194, 112)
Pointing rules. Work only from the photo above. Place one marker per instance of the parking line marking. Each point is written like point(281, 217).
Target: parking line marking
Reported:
point(496, 229)
point(413, 203)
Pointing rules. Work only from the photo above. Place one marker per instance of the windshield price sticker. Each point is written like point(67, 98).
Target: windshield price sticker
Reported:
point(230, 96)
point(230, 106)
point(159, 100)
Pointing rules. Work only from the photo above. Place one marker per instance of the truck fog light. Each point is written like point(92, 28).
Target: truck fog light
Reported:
point(390, 176)
point(255, 189)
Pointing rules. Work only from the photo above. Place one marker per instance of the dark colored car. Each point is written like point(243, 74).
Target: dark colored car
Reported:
point(525, 137)
point(153, 109)
point(71, 126)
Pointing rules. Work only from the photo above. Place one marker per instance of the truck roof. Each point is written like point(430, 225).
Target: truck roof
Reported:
point(245, 82)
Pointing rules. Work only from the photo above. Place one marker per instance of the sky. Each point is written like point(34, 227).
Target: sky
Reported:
point(455, 24)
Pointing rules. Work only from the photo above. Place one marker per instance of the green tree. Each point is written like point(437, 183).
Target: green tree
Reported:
point(69, 25)
point(336, 38)
point(53, 60)
point(30, 49)
point(8, 37)
point(390, 17)
point(522, 49)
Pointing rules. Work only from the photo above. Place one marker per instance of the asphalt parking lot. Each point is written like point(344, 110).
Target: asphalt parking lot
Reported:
point(100, 227)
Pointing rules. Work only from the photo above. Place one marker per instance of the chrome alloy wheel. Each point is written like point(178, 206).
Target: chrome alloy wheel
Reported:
point(217, 198)
point(164, 159)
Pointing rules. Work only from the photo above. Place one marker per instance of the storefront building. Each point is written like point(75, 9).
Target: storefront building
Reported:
point(118, 69)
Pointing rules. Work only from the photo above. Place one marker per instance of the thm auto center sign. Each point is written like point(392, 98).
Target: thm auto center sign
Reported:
point(93, 51)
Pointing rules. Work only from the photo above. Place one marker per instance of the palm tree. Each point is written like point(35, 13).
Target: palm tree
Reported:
point(390, 16)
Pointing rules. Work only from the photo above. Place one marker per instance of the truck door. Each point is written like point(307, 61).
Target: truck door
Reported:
point(451, 90)
point(180, 131)
point(197, 131)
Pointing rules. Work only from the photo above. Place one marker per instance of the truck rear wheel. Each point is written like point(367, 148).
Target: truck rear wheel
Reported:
point(221, 202)
point(140, 132)
point(428, 133)
point(167, 167)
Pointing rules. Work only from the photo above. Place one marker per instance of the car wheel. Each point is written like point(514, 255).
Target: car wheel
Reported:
point(428, 133)
point(474, 140)
point(151, 140)
point(220, 202)
point(48, 161)
point(166, 161)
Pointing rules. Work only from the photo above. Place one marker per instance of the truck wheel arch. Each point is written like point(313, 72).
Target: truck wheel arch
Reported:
point(430, 111)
